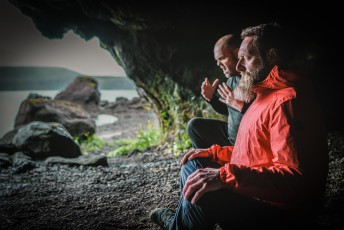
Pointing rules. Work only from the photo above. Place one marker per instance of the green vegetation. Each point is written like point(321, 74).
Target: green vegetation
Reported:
point(90, 142)
point(183, 143)
point(92, 83)
point(145, 138)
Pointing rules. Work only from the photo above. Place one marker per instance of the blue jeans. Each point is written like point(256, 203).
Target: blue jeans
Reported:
point(224, 207)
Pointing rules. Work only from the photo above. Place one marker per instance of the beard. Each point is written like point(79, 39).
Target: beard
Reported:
point(243, 91)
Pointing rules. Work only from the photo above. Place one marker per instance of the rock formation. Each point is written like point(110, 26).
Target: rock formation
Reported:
point(82, 91)
point(72, 116)
point(166, 48)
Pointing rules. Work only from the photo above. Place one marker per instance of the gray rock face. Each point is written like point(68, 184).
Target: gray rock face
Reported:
point(92, 160)
point(83, 91)
point(22, 163)
point(5, 160)
point(40, 140)
point(72, 116)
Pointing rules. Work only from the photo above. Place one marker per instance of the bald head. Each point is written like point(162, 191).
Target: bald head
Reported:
point(226, 54)
point(229, 40)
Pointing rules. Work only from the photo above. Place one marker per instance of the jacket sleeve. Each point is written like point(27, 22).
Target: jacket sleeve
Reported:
point(218, 106)
point(221, 155)
point(281, 180)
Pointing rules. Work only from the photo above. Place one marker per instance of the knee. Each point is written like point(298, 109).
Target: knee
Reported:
point(193, 124)
point(191, 166)
point(187, 169)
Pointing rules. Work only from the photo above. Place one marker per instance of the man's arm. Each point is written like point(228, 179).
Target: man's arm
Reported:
point(208, 92)
point(284, 178)
point(227, 97)
point(218, 106)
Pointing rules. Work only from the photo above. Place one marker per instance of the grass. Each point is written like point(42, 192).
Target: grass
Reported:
point(146, 138)
point(90, 143)
point(181, 145)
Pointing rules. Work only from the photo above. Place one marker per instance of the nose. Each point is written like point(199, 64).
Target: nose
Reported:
point(240, 65)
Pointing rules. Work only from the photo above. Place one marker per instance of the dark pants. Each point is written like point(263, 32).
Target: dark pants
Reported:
point(204, 132)
point(230, 210)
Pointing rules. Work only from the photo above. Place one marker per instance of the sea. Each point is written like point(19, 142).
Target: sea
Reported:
point(11, 100)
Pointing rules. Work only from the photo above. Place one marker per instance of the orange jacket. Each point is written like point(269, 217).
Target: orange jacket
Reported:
point(280, 155)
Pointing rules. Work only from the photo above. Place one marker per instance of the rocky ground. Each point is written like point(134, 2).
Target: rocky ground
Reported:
point(121, 195)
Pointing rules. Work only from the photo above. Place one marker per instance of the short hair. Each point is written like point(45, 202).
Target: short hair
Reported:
point(286, 41)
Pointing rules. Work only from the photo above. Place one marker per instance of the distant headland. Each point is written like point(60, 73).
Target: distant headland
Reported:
point(53, 78)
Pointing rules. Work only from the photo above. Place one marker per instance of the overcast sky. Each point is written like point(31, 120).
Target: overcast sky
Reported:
point(21, 44)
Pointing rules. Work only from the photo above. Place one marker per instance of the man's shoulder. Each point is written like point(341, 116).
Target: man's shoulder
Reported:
point(280, 96)
point(233, 81)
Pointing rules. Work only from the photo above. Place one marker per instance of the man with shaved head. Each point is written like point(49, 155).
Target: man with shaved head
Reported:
point(204, 132)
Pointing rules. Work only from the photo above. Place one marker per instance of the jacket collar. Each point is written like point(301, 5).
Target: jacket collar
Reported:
point(277, 79)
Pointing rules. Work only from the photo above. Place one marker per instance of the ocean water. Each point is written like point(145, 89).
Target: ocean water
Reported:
point(10, 102)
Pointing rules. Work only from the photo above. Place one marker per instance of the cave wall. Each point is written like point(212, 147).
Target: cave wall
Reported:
point(166, 48)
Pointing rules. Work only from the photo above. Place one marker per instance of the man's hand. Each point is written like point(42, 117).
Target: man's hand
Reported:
point(201, 181)
point(207, 89)
point(193, 153)
point(227, 97)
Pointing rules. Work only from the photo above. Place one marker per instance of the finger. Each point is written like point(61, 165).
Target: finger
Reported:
point(222, 100)
point(183, 161)
point(216, 82)
point(186, 156)
point(187, 188)
point(220, 88)
point(226, 89)
point(191, 185)
point(198, 194)
point(206, 80)
point(230, 92)
point(221, 91)
point(195, 175)
point(199, 154)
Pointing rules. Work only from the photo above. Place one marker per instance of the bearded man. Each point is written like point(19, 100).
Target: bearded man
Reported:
point(276, 172)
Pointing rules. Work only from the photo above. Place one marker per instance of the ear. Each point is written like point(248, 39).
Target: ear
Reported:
point(272, 56)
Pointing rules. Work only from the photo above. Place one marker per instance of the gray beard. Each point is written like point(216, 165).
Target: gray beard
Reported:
point(243, 91)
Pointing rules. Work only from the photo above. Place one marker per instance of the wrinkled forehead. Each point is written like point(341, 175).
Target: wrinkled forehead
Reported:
point(247, 48)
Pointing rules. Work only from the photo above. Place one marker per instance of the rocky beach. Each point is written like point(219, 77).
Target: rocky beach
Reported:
point(37, 195)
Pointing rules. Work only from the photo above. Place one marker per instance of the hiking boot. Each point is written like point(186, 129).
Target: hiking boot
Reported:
point(162, 217)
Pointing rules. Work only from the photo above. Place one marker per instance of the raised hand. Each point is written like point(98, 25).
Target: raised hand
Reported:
point(226, 96)
point(207, 89)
